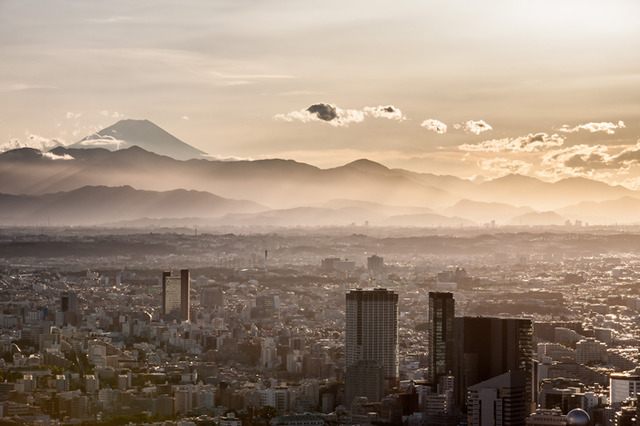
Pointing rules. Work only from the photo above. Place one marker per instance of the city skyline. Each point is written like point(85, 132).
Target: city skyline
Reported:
point(546, 90)
point(287, 341)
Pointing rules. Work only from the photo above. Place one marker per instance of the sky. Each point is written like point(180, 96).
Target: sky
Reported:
point(549, 89)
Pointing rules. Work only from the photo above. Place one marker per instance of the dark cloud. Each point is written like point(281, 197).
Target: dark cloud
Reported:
point(335, 116)
point(324, 112)
point(591, 161)
point(587, 159)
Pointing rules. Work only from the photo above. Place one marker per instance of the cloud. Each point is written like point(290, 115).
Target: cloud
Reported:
point(33, 141)
point(631, 183)
point(385, 111)
point(216, 157)
point(332, 114)
point(71, 115)
point(578, 157)
point(592, 127)
point(118, 20)
point(586, 159)
point(475, 127)
point(231, 83)
point(184, 117)
point(19, 87)
point(504, 166)
point(102, 141)
point(435, 126)
point(577, 160)
point(329, 113)
point(530, 143)
point(324, 112)
point(55, 157)
point(111, 114)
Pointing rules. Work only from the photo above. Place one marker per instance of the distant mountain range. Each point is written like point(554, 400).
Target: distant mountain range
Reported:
point(94, 205)
point(77, 185)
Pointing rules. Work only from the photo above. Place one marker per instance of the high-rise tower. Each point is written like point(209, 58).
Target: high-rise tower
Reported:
point(371, 342)
point(441, 312)
point(69, 301)
point(488, 347)
point(176, 295)
point(69, 307)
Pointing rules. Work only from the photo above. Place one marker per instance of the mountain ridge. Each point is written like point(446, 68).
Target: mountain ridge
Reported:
point(94, 205)
point(286, 184)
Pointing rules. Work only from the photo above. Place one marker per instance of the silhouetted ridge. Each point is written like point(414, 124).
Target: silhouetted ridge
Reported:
point(92, 205)
point(366, 165)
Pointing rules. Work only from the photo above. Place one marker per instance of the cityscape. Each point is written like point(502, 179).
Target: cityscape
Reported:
point(259, 213)
point(324, 326)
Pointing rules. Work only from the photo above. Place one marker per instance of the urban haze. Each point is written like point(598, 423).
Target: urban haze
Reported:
point(249, 213)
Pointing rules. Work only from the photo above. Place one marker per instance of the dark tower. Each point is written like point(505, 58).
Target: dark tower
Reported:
point(488, 347)
point(441, 313)
point(375, 264)
point(185, 295)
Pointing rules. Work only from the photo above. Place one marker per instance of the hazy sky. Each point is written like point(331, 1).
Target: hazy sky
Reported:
point(547, 88)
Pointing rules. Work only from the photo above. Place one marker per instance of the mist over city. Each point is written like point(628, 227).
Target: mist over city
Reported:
point(245, 213)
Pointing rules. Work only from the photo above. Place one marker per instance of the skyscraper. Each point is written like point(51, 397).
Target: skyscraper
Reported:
point(176, 295)
point(498, 401)
point(441, 312)
point(69, 301)
point(69, 307)
point(375, 264)
point(371, 340)
point(488, 347)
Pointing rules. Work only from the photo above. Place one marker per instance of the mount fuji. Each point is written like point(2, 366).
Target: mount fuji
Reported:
point(142, 133)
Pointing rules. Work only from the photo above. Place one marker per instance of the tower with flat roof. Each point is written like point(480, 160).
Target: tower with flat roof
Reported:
point(371, 342)
point(441, 314)
point(176, 295)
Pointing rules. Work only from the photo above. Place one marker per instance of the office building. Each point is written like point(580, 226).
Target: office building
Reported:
point(488, 347)
point(375, 264)
point(590, 350)
point(371, 337)
point(69, 307)
point(624, 385)
point(441, 313)
point(365, 378)
point(69, 301)
point(176, 295)
point(500, 400)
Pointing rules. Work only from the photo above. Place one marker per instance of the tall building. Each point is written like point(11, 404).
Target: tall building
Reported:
point(176, 295)
point(69, 301)
point(364, 378)
point(69, 307)
point(624, 385)
point(371, 338)
point(488, 347)
point(375, 264)
point(500, 400)
point(441, 310)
